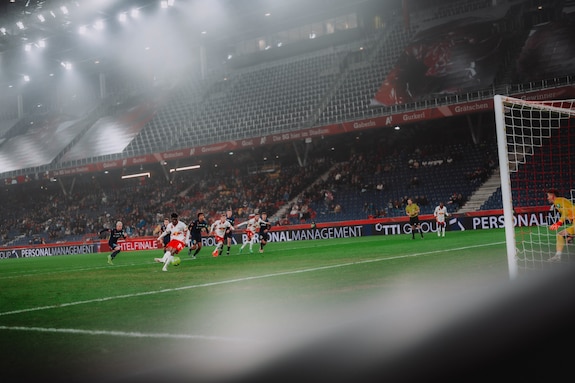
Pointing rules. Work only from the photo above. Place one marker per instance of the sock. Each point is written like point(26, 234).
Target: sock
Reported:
point(560, 244)
point(167, 261)
point(113, 255)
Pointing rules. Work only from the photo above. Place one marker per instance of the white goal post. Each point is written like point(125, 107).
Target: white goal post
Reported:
point(536, 148)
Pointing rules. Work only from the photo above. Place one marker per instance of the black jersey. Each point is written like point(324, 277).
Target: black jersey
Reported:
point(115, 235)
point(264, 225)
point(196, 228)
point(263, 230)
point(166, 238)
point(231, 220)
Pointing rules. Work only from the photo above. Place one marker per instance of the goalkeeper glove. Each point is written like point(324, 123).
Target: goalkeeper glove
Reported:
point(556, 225)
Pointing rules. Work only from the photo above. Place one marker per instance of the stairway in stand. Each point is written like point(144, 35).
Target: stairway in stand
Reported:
point(482, 194)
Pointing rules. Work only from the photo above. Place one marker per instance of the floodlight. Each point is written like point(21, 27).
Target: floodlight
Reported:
point(146, 174)
point(184, 168)
point(99, 25)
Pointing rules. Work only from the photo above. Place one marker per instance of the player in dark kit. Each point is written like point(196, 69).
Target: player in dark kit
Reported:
point(263, 232)
point(228, 237)
point(115, 234)
point(163, 228)
point(196, 228)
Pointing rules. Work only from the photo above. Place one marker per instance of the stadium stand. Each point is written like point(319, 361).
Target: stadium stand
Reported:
point(36, 141)
point(325, 86)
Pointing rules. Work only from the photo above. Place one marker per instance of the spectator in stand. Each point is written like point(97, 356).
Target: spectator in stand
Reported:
point(284, 221)
point(305, 214)
point(457, 200)
point(294, 213)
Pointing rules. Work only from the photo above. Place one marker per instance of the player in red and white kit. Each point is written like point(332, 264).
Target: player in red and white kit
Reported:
point(219, 229)
point(251, 230)
point(179, 236)
point(440, 213)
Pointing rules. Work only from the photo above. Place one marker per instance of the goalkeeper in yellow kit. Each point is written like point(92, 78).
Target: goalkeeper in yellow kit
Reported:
point(565, 207)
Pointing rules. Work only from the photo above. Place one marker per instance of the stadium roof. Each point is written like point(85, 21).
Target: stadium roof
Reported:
point(52, 34)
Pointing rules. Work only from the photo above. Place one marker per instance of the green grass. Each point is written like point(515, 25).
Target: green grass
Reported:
point(79, 318)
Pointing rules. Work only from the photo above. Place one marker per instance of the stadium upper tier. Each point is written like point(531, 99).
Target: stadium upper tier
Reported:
point(402, 65)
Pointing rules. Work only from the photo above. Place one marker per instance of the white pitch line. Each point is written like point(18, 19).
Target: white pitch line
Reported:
point(125, 334)
point(239, 280)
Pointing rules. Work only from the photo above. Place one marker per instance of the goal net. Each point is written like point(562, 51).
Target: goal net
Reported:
point(536, 146)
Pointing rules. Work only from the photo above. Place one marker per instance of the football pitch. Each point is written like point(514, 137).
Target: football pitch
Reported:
point(76, 318)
